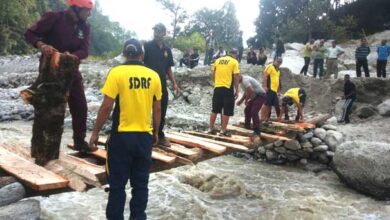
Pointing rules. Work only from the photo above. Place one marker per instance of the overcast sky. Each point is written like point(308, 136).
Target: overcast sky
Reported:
point(140, 16)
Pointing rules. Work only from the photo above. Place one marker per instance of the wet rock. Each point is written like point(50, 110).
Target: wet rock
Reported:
point(316, 142)
point(330, 153)
point(323, 158)
point(261, 150)
point(292, 145)
point(316, 167)
point(26, 209)
point(269, 146)
point(329, 127)
point(320, 133)
point(333, 139)
point(303, 161)
point(278, 143)
point(292, 157)
point(271, 155)
point(307, 136)
point(11, 193)
point(307, 144)
point(302, 154)
point(366, 111)
point(384, 108)
point(281, 150)
point(365, 167)
point(321, 148)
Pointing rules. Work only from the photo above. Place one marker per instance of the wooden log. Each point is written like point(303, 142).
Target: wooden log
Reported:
point(235, 139)
point(287, 127)
point(34, 176)
point(318, 119)
point(25, 209)
point(6, 180)
point(76, 182)
point(169, 159)
point(268, 137)
point(229, 145)
point(11, 193)
point(196, 143)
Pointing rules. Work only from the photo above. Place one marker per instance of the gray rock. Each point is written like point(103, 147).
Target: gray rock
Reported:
point(308, 150)
point(271, 155)
point(322, 158)
point(11, 193)
point(292, 157)
point(333, 139)
point(316, 141)
point(307, 144)
point(329, 127)
point(278, 143)
point(366, 111)
point(281, 150)
point(292, 145)
point(365, 167)
point(302, 154)
point(303, 161)
point(308, 135)
point(269, 146)
point(320, 133)
point(26, 209)
point(321, 148)
point(384, 108)
point(330, 153)
point(261, 150)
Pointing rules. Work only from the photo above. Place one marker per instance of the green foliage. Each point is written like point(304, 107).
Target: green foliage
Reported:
point(194, 41)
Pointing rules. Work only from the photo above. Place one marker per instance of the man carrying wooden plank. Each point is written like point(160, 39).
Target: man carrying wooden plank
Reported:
point(253, 98)
point(225, 77)
point(137, 91)
point(295, 96)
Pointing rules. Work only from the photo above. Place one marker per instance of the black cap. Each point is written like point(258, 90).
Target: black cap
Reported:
point(132, 48)
point(160, 28)
point(233, 51)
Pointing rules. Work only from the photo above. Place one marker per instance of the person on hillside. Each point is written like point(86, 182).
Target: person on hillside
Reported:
point(361, 54)
point(295, 96)
point(306, 56)
point(350, 97)
point(209, 50)
point(251, 57)
point(333, 53)
point(272, 87)
point(136, 90)
point(383, 54)
point(67, 32)
point(194, 58)
point(240, 46)
point(185, 59)
point(279, 48)
point(220, 53)
point(261, 57)
point(319, 56)
point(158, 57)
point(225, 75)
point(253, 98)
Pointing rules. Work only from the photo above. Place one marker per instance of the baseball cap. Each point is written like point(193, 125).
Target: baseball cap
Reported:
point(160, 27)
point(279, 59)
point(233, 51)
point(132, 48)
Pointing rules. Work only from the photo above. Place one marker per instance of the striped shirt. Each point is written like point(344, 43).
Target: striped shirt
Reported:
point(362, 52)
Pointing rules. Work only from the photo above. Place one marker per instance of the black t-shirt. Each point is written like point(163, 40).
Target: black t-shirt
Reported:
point(158, 59)
point(349, 88)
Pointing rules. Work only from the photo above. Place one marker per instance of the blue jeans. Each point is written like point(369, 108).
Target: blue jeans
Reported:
point(318, 64)
point(129, 157)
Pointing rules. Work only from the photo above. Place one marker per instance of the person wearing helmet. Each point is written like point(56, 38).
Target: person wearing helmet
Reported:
point(67, 32)
point(295, 96)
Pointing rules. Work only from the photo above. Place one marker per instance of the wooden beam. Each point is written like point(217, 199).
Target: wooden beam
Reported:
point(34, 176)
point(268, 137)
point(196, 143)
point(235, 139)
point(287, 127)
point(225, 144)
point(99, 153)
point(178, 149)
point(318, 119)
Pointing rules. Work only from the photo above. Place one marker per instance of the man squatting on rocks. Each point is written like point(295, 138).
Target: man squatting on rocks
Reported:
point(272, 87)
point(67, 32)
point(295, 96)
point(225, 75)
point(136, 90)
point(350, 97)
point(253, 98)
point(158, 57)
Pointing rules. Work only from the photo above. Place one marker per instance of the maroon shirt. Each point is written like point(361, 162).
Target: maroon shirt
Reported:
point(58, 30)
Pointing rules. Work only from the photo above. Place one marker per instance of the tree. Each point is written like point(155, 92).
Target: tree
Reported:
point(178, 14)
point(194, 41)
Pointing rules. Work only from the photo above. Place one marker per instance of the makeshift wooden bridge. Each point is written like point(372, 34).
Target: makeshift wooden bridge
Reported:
point(188, 148)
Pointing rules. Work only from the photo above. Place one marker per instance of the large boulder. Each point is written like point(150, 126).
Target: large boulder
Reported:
point(364, 166)
point(366, 111)
point(333, 139)
point(384, 108)
point(25, 209)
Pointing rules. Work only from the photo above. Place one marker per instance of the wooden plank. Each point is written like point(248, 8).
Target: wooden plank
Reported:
point(235, 139)
point(181, 150)
point(36, 177)
point(89, 171)
point(268, 137)
point(286, 126)
point(305, 125)
point(318, 119)
point(99, 153)
point(163, 157)
point(229, 145)
point(196, 143)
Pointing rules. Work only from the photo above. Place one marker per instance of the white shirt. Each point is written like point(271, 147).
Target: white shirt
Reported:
point(333, 52)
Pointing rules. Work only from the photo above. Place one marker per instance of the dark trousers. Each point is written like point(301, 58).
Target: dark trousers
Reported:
point(184, 61)
point(78, 108)
point(252, 113)
point(381, 68)
point(318, 64)
point(347, 110)
point(164, 107)
point(359, 65)
point(305, 67)
point(129, 156)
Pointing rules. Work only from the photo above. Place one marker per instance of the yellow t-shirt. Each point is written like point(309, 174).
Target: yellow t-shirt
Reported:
point(224, 68)
point(307, 50)
point(293, 93)
point(134, 87)
point(273, 77)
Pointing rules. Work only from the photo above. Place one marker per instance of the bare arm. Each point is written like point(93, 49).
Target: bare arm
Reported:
point(172, 78)
point(236, 83)
point(300, 111)
point(265, 79)
point(156, 120)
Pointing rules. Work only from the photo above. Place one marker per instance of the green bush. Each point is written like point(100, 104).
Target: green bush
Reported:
point(195, 40)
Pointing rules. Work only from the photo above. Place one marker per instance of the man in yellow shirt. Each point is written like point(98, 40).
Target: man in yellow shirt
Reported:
point(225, 75)
point(272, 86)
point(295, 96)
point(306, 56)
point(136, 91)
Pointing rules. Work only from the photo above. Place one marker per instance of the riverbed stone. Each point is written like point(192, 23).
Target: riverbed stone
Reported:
point(303, 161)
point(278, 143)
point(269, 146)
point(307, 144)
point(384, 108)
point(364, 166)
point(321, 148)
point(329, 127)
point(261, 150)
point(281, 150)
point(316, 141)
point(308, 135)
point(365, 111)
point(330, 153)
point(292, 145)
point(323, 158)
point(320, 133)
point(333, 139)
point(271, 155)
point(25, 209)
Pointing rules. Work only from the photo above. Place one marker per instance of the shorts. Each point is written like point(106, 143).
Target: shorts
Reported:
point(223, 99)
point(271, 98)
